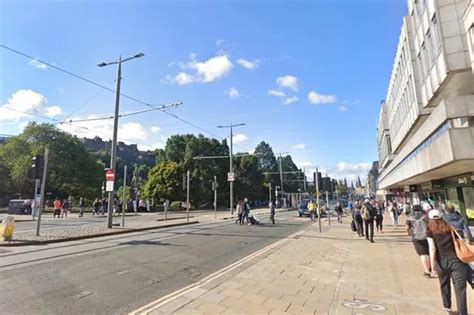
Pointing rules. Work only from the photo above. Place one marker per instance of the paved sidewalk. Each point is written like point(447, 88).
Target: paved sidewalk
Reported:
point(333, 272)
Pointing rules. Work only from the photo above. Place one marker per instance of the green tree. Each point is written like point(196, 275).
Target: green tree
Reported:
point(71, 168)
point(164, 182)
point(249, 178)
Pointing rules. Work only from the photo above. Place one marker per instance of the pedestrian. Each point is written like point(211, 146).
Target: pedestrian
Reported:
point(416, 228)
point(141, 205)
point(246, 210)
point(357, 216)
point(393, 213)
point(407, 208)
point(57, 207)
point(455, 219)
point(368, 215)
point(120, 206)
point(445, 262)
point(34, 208)
point(379, 216)
point(312, 209)
point(96, 206)
point(81, 207)
point(166, 206)
point(272, 212)
point(65, 208)
point(104, 206)
point(339, 212)
point(240, 211)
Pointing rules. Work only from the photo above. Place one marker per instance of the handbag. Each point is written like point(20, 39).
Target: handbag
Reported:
point(353, 226)
point(464, 251)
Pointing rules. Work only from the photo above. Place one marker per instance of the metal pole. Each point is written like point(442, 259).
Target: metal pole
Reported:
point(123, 193)
point(231, 183)
point(43, 185)
point(327, 204)
point(317, 199)
point(304, 179)
point(281, 176)
point(113, 153)
point(215, 197)
point(187, 197)
point(270, 192)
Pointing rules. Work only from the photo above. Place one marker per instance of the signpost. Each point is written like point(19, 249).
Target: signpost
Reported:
point(110, 177)
point(230, 176)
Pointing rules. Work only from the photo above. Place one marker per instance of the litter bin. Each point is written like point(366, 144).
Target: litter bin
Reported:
point(7, 227)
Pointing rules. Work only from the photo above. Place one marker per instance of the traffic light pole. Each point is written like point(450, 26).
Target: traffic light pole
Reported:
point(123, 193)
point(215, 197)
point(43, 185)
point(187, 196)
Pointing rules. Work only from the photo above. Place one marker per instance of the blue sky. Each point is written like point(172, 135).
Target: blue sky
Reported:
point(305, 76)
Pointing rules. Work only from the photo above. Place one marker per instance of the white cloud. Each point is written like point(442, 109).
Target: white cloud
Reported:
point(276, 93)
point(315, 98)
point(288, 81)
point(239, 138)
point(343, 108)
point(204, 72)
point(233, 92)
point(155, 129)
point(285, 99)
point(350, 171)
point(290, 100)
point(52, 111)
point(151, 147)
point(183, 78)
point(133, 131)
point(247, 64)
point(38, 64)
point(26, 101)
point(299, 146)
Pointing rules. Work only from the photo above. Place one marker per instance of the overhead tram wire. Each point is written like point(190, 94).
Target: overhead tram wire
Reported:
point(109, 89)
point(162, 108)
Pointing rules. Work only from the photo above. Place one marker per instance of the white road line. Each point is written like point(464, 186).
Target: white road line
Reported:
point(147, 309)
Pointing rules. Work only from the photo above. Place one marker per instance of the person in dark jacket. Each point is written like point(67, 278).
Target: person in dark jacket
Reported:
point(445, 262)
point(454, 219)
point(368, 215)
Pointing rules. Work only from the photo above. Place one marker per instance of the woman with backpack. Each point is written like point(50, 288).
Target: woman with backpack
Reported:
point(240, 211)
point(416, 228)
point(443, 256)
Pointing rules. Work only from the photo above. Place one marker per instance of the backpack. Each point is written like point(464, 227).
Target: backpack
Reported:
point(366, 213)
point(419, 229)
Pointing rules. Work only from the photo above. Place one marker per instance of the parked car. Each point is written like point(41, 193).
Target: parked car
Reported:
point(19, 206)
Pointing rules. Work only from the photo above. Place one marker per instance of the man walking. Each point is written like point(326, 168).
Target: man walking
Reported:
point(81, 207)
point(368, 214)
point(339, 212)
point(272, 212)
point(246, 211)
point(57, 207)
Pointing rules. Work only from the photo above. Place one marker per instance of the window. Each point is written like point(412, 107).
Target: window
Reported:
point(437, 35)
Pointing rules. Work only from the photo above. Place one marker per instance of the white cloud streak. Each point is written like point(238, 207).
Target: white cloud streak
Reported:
point(207, 71)
point(233, 93)
point(247, 64)
point(289, 82)
point(27, 101)
point(38, 64)
point(239, 138)
point(316, 98)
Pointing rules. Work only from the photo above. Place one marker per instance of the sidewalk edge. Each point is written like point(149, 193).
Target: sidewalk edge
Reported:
point(83, 237)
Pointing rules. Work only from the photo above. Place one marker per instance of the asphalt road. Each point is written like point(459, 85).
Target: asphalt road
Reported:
point(115, 275)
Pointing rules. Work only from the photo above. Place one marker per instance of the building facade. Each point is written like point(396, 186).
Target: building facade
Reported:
point(428, 114)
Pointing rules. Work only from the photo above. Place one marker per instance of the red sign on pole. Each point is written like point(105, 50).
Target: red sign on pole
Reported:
point(109, 175)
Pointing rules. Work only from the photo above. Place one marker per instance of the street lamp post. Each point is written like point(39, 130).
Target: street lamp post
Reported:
point(113, 153)
point(231, 167)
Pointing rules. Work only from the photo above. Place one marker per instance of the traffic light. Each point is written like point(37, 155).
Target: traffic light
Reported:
point(37, 166)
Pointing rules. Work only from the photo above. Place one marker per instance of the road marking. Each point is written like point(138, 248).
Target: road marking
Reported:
point(172, 296)
point(82, 294)
point(362, 304)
